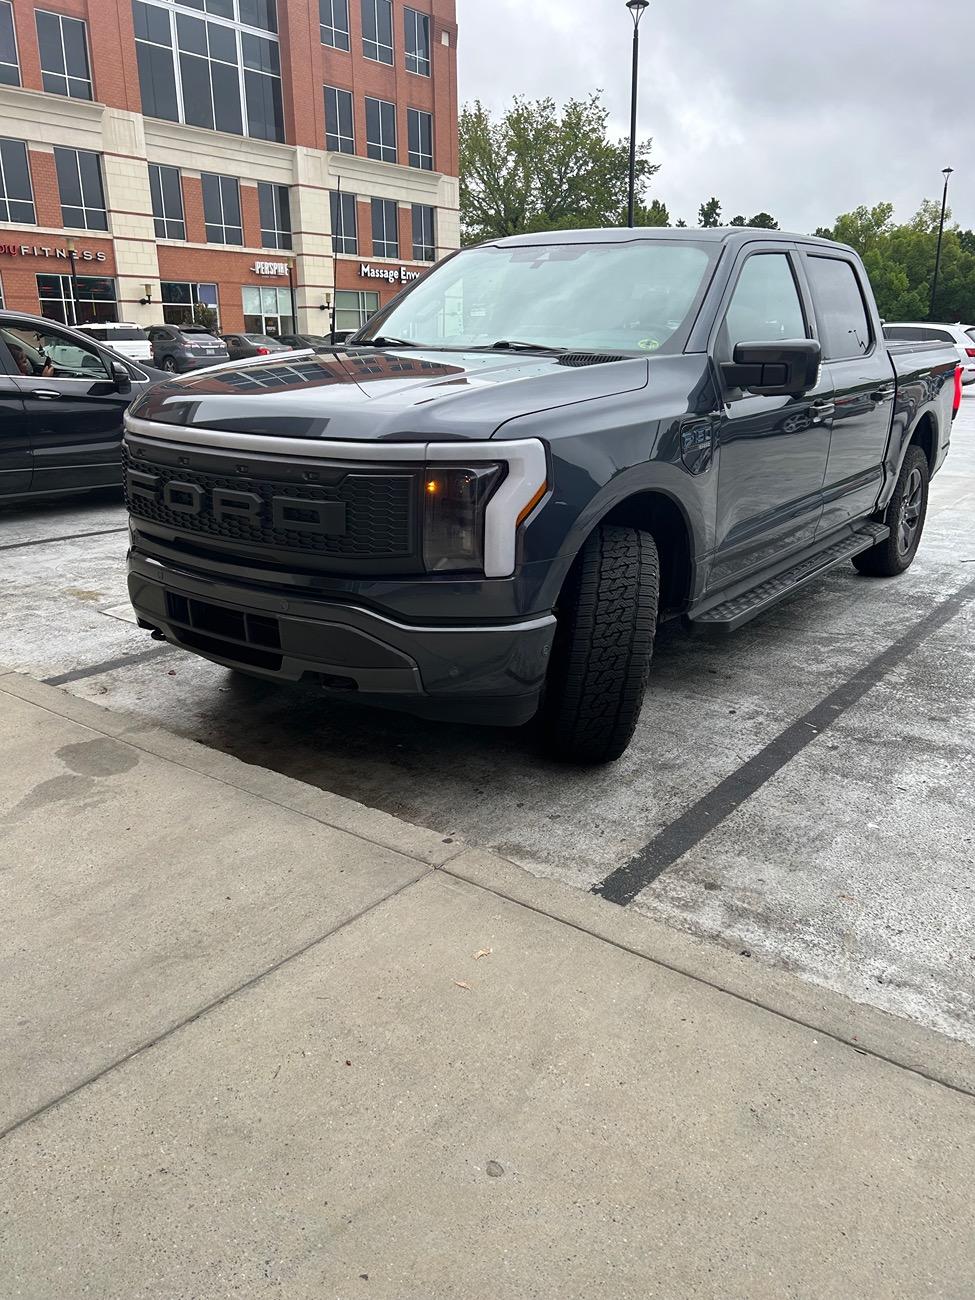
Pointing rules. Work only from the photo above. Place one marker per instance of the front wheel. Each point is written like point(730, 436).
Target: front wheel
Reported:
point(905, 515)
point(607, 618)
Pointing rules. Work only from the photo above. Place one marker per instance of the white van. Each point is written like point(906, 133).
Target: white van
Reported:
point(122, 336)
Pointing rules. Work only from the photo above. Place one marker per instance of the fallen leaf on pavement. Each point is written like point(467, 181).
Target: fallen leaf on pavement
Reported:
point(462, 984)
point(483, 952)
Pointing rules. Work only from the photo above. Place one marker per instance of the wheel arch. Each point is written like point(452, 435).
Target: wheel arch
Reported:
point(661, 514)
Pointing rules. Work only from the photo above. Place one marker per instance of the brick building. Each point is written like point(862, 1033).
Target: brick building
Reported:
point(258, 156)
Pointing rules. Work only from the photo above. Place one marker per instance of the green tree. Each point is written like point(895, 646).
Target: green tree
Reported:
point(900, 261)
point(709, 213)
point(543, 167)
point(738, 221)
point(763, 221)
point(655, 214)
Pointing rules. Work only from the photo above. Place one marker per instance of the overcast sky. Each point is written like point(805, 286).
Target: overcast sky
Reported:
point(802, 109)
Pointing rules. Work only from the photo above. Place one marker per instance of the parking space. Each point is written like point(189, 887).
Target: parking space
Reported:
point(802, 790)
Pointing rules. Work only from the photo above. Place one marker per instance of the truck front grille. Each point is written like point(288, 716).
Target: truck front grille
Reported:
point(361, 514)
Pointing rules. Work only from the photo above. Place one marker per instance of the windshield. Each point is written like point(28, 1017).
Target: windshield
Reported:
point(629, 297)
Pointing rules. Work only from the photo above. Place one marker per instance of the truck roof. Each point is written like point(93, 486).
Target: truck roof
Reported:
point(730, 235)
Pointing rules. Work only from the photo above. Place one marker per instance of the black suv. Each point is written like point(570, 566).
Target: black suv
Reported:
point(179, 348)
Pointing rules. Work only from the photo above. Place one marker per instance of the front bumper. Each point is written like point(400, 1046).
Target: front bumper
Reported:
point(488, 674)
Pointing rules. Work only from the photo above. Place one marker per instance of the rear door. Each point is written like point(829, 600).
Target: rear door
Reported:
point(73, 410)
point(15, 464)
point(859, 367)
point(771, 450)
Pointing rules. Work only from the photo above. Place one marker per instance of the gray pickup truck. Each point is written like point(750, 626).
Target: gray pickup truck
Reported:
point(484, 504)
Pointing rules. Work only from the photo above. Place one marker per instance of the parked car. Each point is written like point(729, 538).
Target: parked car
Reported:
point(317, 342)
point(961, 336)
point(181, 348)
point(486, 504)
point(131, 340)
point(62, 397)
point(253, 345)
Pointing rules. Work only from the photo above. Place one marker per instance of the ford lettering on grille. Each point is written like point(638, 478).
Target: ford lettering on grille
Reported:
point(361, 514)
point(327, 518)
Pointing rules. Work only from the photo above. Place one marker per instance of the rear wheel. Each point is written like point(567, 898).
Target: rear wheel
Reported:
point(905, 515)
point(607, 617)
point(169, 364)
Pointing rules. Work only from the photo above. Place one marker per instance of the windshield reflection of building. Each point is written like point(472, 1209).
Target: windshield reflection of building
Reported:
point(283, 375)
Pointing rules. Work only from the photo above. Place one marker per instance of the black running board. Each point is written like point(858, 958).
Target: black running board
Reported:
point(730, 614)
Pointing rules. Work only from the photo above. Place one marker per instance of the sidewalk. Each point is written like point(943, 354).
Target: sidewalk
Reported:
point(250, 1049)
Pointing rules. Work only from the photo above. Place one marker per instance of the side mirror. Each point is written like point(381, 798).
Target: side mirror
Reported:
point(774, 369)
point(121, 378)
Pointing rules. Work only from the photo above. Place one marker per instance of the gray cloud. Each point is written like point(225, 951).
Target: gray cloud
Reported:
point(805, 110)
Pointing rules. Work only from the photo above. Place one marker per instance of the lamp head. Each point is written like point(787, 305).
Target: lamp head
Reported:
point(636, 8)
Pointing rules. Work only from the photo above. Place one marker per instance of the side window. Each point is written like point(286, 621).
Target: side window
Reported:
point(765, 305)
point(843, 321)
point(916, 332)
point(941, 336)
point(47, 352)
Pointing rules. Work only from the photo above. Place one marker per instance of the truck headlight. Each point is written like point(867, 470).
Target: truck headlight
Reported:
point(454, 501)
point(476, 496)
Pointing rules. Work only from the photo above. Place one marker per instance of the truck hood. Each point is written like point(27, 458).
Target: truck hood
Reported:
point(392, 395)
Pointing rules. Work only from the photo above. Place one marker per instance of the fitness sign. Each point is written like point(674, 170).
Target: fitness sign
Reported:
point(61, 254)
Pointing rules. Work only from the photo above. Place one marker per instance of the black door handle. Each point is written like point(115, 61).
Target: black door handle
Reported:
point(881, 394)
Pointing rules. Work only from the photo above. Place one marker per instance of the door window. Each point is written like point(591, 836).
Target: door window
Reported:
point(49, 353)
point(843, 323)
point(765, 306)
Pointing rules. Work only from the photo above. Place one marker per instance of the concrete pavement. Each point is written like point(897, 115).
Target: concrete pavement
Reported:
point(262, 1041)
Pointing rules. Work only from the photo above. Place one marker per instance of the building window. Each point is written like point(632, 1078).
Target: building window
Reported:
point(354, 307)
point(377, 30)
point(9, 66)
point(63, 47)
point(221, 209)
point(385, 229)
point(417, 42)
point(339, 132)
point(267, 311)
point(333, 16)
point(80, 186)
point(275, 208)
point(420, 128)
point(180, 300)
point(93, 299)
point(345, 230)
point(220, 72)
point(167, 202)
point(380, 130)
point(424, 233)
point(16, 195)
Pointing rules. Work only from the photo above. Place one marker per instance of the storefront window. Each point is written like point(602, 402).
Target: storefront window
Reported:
point(267, 311)
point(353, 307)
point(180, 299)
point(92, 299)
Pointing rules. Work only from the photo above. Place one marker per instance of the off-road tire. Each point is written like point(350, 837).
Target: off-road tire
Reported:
point(905, 515)
point(607, 618)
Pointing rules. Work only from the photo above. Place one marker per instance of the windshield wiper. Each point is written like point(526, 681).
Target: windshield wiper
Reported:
point(516, 345)
point(384, 341)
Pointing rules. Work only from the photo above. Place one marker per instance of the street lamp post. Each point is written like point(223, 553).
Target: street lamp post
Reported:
point(636, 8)
point(947, 171)
point(73, 280)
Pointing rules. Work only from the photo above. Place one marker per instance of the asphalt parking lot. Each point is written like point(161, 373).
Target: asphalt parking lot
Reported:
point(802, 791)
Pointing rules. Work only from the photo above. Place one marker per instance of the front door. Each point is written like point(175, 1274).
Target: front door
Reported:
point(73, 410)
point(772, 451)
point(863, 381)
point(14, 442)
